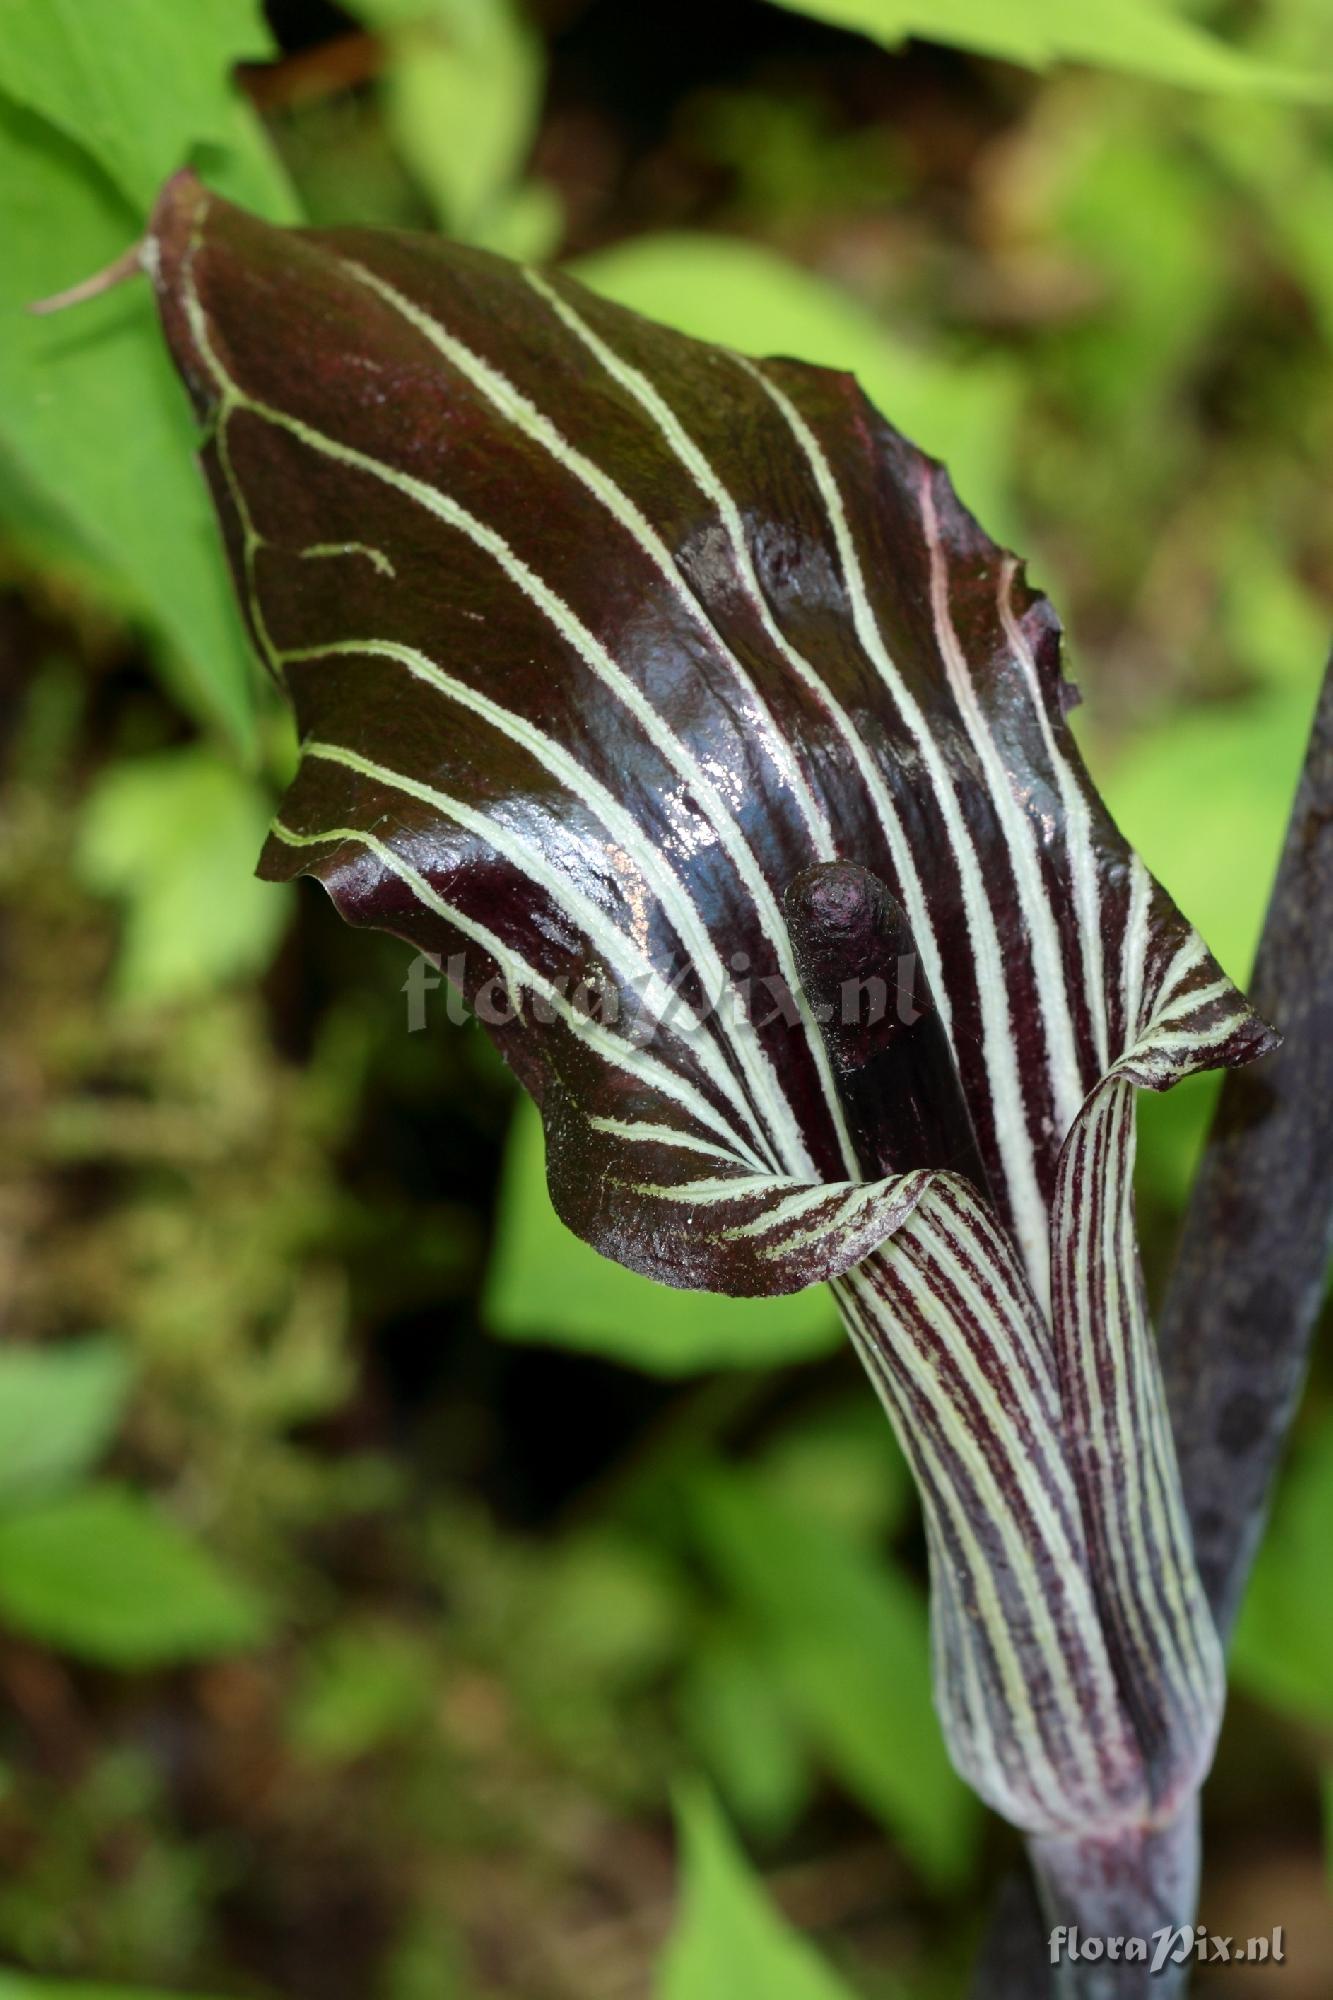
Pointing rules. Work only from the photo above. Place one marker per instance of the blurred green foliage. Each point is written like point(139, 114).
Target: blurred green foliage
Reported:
point(142, 87)
point(172, 837)
point(839, 1629)
point(348, 1648)
point(1153, 38)
point(95, 1569)
point(19, 1986)
point(728, 1939)
point(58, 1411)
point(462, 97)
point(99, 102)
point(101, 1574)
point(1284, 1642)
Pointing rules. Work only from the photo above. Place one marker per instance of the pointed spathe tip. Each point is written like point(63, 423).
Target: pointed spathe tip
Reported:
point(177, 206)
point(173, 214)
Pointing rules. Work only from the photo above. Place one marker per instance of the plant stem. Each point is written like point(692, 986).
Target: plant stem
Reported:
point(1142, 1885)
point(1254, 1250)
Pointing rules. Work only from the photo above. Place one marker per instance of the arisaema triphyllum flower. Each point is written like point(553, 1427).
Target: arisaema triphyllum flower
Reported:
point(675, 697)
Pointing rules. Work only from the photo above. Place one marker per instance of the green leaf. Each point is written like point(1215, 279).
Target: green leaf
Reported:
point(608, 1614)
point(725, 289)
point(59, 1408)
point(1142, 37)
point(1285, 164)
point(174, 837)
point(1276, 625)
point(99, 101)
point(1284, 1637)
point(1145, 222)
point(365, 1685)
point(744, 1731)
point(843, 1466)
point(105, 1575)
point(847, 1638)
point(463, 90)
point(93, 424)
point(144, 87)
point(544, 1284)
point(26, 1986)
point(729, 1941)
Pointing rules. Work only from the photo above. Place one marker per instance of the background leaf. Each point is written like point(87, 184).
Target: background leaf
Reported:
point(59, 1408)
point(544, 1284)
point(746, 1732)
point(846, 1638)
point(360, 1688)
point(26, 1986)
point(1145, 37)
point(462, 93)
point(1284, 1638)
point(99, 101)
point(173, 838)
point(728, 1939)
point(104, 1574)
point(747, 297)
point(144, 88)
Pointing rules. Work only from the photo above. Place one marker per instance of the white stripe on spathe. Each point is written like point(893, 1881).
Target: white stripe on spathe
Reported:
point(790, 1210)
point(849, 1212)
point(775, 1104)
point(1078, 830)
point(641, 1132)
point(1134, 949)
point(519, 410)
point(838, 1205)
point(998, 1041)
point(1080, 1345)
point(375, 557)
point(709, 1194)
point(1051, 1572)
point(251, 540)
point(1040, 1486)
point(1190, 1003)
point(521, 976)
point(1160, 1607)
point(1067, 1089)
point(1190, 955)
point(651, 861)
point(678, 440)
point(1033, 1377)
point(1122, 1451)
point(618, 947)
point(1198, 1653)
point(965, 1713)
point(994, 1617)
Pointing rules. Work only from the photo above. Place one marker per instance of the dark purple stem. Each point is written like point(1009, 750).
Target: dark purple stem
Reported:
point(1103, 1898)
point(1050, 1936)
point(1254, 1252)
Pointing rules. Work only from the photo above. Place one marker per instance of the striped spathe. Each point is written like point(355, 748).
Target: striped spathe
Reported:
point(600, 639)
